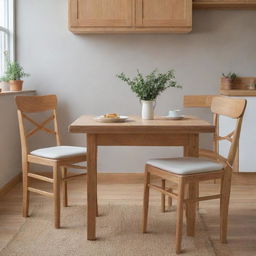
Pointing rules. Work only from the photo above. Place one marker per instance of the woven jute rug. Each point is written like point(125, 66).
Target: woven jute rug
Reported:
point(118, 233)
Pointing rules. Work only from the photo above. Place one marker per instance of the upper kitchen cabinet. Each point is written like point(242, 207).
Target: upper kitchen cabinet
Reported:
point(100, 15)
point(225, 4)
point(130, 16)
point(171, 14)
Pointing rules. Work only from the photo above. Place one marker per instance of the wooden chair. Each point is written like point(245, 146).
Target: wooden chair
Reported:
point(204, 101)
point(60, 158)
point(188, 172)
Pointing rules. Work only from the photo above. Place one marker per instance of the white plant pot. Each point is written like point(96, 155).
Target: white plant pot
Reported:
point(147, 109)
point(4, 86)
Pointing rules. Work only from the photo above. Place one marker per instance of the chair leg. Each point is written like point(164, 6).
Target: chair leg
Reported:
point(64, 187)
point(163, 197)
point(191, 208)
point(169, 199)
point(197, 195)
point(97, 208)
point(179, 220)
point(146, 200)
point(56, 192)
point(25, 169)
point(224, 204)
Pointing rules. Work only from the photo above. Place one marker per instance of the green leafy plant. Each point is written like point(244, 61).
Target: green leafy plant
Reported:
point(230, 75)
point(149, 87)
point(14, 71)
point(4, 79)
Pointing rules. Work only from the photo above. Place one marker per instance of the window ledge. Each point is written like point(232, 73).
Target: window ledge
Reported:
point(16, 93)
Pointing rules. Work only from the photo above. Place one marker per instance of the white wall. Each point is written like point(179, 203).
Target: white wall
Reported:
point(81, 69)
point(10, 150)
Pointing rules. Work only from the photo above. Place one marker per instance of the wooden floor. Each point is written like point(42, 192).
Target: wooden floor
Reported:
point(127, 189)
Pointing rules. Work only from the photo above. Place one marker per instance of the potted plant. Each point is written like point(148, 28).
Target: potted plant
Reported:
point(148, 88)
point(14, 73)
point(227, 80)
point(252, 85)
point(4, 84)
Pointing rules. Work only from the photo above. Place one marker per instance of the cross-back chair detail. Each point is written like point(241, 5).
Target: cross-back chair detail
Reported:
point(39, 126)
point(35, 104)
point(221, 106)
point(205, 101)
point(27, 105)
point(237, 110)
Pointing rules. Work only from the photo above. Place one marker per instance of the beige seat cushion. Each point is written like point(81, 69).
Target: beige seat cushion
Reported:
point(186, 165)
point(59, 152)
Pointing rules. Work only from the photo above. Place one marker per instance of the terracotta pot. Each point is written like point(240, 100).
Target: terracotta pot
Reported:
point(227, 84)
point(16, 85)
point(5, 87)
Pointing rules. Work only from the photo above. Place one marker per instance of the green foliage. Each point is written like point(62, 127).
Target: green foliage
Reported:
point(4, 79)
point(14, 71)
point(230, 75)
point(149, 87)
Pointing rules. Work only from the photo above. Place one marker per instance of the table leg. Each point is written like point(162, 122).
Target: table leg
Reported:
point(192, 149)
point(91, 186)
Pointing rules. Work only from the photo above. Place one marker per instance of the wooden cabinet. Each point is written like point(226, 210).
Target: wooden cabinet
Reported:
point(136, 16)
point(163, 13)
point(102, 13)
point(226, 4)
point(99, 16)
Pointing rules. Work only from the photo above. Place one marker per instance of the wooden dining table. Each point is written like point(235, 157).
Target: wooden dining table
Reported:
point(134, 132)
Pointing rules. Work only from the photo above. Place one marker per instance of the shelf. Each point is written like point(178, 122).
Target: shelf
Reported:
point(222, 4)
point(16, 93)
point(238, 92)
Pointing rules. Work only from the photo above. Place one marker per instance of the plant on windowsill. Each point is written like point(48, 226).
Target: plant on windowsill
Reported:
point(228, 80)
point(4, 84)
point(149, 87)
point(14, 74)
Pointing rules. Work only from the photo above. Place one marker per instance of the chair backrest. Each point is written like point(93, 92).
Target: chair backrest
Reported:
point(198, 101)
point(232, 108)
point(35, 104)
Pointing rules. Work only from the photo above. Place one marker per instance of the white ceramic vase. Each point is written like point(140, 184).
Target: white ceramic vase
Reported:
point(4, 86)
point(148, 109)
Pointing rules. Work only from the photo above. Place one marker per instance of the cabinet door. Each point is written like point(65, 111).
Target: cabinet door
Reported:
point(101, 13)
point(164, 13)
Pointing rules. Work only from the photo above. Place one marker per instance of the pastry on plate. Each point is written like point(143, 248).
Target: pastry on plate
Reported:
point(112, 115)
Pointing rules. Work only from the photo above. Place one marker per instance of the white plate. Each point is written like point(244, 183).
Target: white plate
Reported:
point(103, 119)
point(174, 118)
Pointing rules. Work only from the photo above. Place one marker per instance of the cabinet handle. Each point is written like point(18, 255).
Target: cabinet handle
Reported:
point(142, 9)
point(77, 9)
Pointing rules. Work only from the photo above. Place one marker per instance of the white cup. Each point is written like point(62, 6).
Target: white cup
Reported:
point(174, 113)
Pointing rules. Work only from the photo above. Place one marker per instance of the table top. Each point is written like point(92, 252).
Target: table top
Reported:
point(190, 124)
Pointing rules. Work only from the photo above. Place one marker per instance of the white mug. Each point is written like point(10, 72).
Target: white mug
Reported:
point(174, 113)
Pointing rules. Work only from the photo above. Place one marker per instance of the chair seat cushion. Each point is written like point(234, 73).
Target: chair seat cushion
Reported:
point(186, 165)
point(59, 152)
